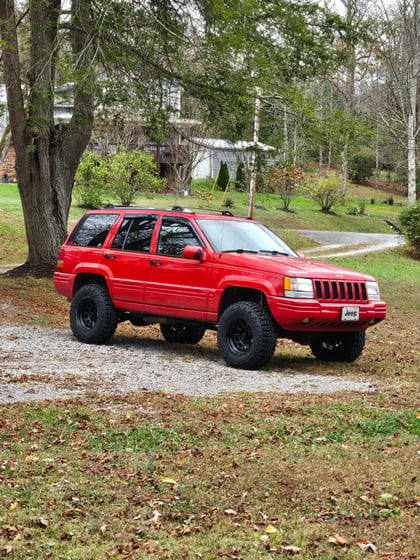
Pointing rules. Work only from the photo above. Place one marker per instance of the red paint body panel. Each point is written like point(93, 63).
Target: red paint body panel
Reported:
point(152, 283)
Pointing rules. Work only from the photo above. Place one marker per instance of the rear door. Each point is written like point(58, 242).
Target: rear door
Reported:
point(127, 259)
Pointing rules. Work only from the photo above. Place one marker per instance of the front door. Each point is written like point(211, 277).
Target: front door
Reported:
point(176, 282)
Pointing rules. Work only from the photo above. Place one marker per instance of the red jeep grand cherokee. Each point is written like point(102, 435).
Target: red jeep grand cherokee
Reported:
point(192, 271)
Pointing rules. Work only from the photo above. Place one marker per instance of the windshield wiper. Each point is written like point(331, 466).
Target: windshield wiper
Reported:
point(240, 251)
point(268, 252)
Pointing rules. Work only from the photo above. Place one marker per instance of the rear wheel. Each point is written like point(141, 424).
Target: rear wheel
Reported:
point(246, 335)
point(93, 317)
point(339, 347)
point(183, 334)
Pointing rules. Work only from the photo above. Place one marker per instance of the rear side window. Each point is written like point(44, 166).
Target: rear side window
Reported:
point(92, 230)
point(135, 234)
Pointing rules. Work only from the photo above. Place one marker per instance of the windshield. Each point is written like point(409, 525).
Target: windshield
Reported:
point(243, 236)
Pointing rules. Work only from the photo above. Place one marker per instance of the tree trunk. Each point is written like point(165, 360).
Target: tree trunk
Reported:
point(47, 155)
point(411, 136)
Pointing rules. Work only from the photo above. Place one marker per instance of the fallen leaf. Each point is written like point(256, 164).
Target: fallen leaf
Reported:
point(155, 519)
point(337, 539)
point(291, 549)
point(170, 481)
point(271, 529)
point(42, 522)
point(13, 506)
point(231, 512)
point(74, 512)
point(366, 546)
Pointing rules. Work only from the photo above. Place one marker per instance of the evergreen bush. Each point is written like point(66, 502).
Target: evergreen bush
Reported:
point(410, 223)
point(223, 176)
point(361, 168)
point(240, 179)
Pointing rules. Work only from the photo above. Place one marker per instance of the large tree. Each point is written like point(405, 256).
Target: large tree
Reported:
point(400, 55)
point(47, 154)
point(135, 52)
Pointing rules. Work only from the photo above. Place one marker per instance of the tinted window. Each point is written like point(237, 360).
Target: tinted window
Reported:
point(92, 230)
point(174, 236)
point(135, 234)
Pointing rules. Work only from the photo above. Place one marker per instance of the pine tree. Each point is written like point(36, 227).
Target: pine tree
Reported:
point(240, 177)
point(223, 177)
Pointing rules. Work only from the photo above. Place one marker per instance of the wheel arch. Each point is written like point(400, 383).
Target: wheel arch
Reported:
point(84, 278)
point(234, 294)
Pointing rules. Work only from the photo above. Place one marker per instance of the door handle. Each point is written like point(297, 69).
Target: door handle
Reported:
point(108, 256)
point(158, 263)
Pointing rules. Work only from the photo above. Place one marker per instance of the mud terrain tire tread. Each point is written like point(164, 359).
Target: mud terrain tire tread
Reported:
point(246, 335)
point(182, 334)
point(93, 317)
point(339, 347)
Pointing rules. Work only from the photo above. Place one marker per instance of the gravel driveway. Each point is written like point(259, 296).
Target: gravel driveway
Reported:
point(43, 363)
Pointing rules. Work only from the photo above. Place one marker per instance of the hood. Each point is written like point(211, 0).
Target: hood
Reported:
point(290, 266)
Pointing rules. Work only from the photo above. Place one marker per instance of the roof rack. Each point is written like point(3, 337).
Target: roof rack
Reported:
point(174, 208)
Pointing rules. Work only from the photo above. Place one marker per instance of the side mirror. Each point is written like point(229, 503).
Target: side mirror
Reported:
point(193, 252)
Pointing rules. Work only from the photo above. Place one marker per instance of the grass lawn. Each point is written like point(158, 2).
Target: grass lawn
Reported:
point(239, 476)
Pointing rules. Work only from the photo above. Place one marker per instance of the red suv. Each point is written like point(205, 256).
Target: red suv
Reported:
point(192, 271)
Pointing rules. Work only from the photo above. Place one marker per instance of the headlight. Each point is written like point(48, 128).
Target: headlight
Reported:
point(373, 291)
point(298, 287)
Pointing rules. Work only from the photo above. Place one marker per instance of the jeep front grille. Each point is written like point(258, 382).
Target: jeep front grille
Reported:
point(340, 290)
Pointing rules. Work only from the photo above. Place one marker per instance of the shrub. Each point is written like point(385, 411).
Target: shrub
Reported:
point(327, 192)
point(285, 180)
point(361, 168)
point(90, 185)
point(240, 178)
point(223, 176)
point(410, 223)
point(132, 172)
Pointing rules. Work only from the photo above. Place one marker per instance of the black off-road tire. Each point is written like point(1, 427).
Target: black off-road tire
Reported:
point(183, 334)
point(93, 317)
point(339, 347)
point(246, 335)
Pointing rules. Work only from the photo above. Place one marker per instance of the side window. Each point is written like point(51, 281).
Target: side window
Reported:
point(174, 236)
point(135, 234)
point(92, 230)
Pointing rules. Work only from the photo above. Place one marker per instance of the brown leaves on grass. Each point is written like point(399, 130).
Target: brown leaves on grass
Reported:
point(245, 469)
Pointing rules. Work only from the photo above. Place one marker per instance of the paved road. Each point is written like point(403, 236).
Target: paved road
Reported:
point(332, 243)
point(344, 243)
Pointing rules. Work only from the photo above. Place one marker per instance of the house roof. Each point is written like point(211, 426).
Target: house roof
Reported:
point(220, 144)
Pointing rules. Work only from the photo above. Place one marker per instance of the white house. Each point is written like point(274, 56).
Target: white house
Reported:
point(210, 152)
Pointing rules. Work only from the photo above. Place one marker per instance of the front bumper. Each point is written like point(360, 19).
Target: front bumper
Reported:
point(309, 315)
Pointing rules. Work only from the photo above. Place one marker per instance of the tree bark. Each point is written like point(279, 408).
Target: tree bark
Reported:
point(411, 128)
point(47, 154)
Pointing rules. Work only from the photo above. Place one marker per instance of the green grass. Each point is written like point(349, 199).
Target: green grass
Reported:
point(211, 483)
point(305, 214)
point(240, 476)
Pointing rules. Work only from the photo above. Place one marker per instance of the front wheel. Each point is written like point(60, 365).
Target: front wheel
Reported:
point(93, 317)
point(339, 347)
point(183, 334)
point(246, 335)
